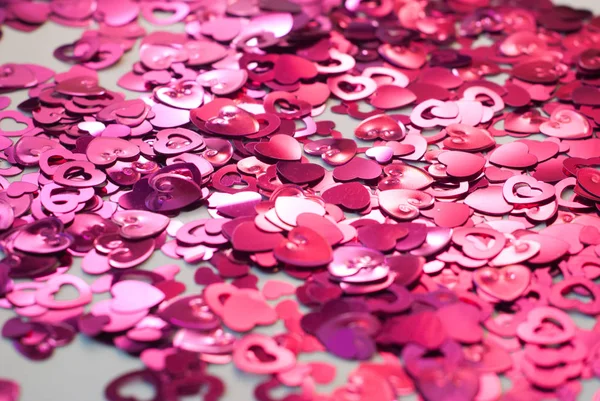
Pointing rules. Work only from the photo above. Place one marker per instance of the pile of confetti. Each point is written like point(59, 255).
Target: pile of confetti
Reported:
point(446, 242)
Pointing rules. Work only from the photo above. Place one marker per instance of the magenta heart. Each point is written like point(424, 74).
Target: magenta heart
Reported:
point(243, 311)
point(516, 96)
point(116, 13)
point(44, 236)
point(513, 155)
point(203, 52)
point(567, 124)
point(586, 95)
point(489, 200)
point(358, 167)
point(290, 69)
point(184, 95)
point(470, 330)
point(16, 328)
point(222, 29)
point(280, 147)
point(337, 83)
point(249, 238)
point(232, 121)
point(352, 196)
point(495, 174)
point(300, 173)
point(280, 358)
point(410, 328)
point(589, 179)
point(16, 76)
point(464, 137)
point(440, 76)
point(382, 154)
point(401, 149)
point(448, 214)
point(527, 122)
point(223, 82)
point(169, 192)
point(304, 247)
point(169, 117)
point(178, 11)
point(507, 283)
point(206, 276)
point(590, 235)
point(391, 97)
point(542, 150)
point(381, 237)
point(445, 110)
point(462, 164)
point(514, 190)
point(323, 225)
point(92, 325)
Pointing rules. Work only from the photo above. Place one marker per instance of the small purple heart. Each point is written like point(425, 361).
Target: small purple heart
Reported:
point(206, 276)
point(16, 328)
point(92, 325)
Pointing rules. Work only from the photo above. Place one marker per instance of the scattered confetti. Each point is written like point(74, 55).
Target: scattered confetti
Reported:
point(452, 231)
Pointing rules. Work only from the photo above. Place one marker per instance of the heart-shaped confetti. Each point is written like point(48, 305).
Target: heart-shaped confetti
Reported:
point(449, 232)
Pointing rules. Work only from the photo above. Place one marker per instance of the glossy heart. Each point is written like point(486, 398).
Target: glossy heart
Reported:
point(589, 179)
point(391, 97)
point(513, 155)
point(447, 114)
point(45, 296)
point(232, 121)
point(44, 236)
point(404, 204)
point(300, 173)
point(537, 191)
point(515, 252)
point(305, 248)
point(566, 124)
point(474, 244)
point(281, 358)
point(182, 95)
point(351, 195)
point(358, 167)
point(131, 296)
point(382, 154)
point(461, 164)
point(280, 147)
point(138, 224)
point(529, 330)
point(290, 68)
point(506, 284)
point(244, 310)
point(103, 151)
point(168, 192)
point(380, 127)
point(524, 122)
point(249, 238)
point(448, 214)
point(349, 81)
point(467, 138)
point(489, 200)
point(223, 82)
point(381, 237)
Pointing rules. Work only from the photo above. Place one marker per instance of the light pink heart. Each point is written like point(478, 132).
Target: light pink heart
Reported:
point(134, 296)
point(274, 289)
point(382, 154)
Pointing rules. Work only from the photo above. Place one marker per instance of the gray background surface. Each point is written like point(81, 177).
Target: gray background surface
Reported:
point(81, 370)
